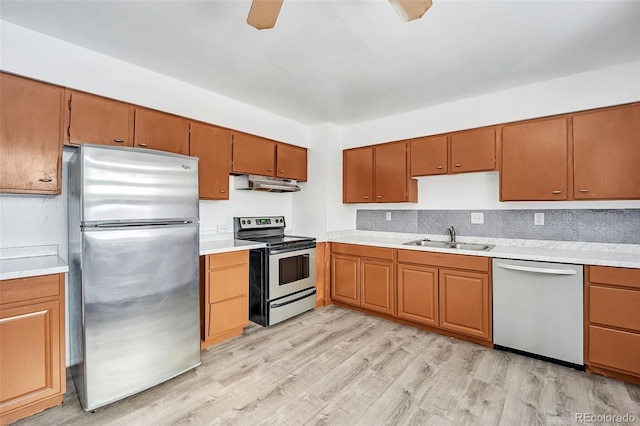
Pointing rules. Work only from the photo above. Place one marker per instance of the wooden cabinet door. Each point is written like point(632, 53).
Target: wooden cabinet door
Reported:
point(606, 152)
point(30, 349)
point(97, 120)
point(31, 132)
point(616, 349)
point(212, 145)
point(534, 161)
point(227, 316)
point(473, 150)
point(378, 292)
point(253, 155)
point(291, 162)
point(357, 175)
point(157, 130)
point(345, 279)
point(418, 294)
point(464, 303)
point(429, 156)
point(390, 172)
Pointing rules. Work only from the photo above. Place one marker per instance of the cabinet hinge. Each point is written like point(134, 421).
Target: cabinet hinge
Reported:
point(69, 131)
point(69, 104)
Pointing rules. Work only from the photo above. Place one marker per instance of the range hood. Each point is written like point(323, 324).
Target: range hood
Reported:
point(265, 183)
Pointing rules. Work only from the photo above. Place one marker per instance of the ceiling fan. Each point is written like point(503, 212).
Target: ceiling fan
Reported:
point(264, 13)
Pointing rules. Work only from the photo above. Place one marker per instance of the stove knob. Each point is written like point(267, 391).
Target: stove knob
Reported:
point(244, 222)
point(249, 221)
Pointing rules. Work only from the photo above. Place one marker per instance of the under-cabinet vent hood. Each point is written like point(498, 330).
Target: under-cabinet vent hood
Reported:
point(265, 183)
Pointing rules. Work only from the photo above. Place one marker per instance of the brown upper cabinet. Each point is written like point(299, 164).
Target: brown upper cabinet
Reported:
point(381, 171)
point(291, 162)
point(472, 150)
point(32, 120)
point(606, 146)
point(253, 155)
point(212, 145)
point(429, 155)
point(161, 131)
point(534, 160)
point(357, 175)
point(458, 152)
point(97, 120)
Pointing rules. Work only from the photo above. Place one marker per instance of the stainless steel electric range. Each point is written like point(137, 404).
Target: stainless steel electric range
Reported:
point(282, 276)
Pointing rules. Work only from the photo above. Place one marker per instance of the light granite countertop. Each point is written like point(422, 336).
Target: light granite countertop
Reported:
point(24, 262)
point(620, 255)
point(223, 246)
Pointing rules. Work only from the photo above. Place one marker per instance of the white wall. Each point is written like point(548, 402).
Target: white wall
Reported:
point(603, 87)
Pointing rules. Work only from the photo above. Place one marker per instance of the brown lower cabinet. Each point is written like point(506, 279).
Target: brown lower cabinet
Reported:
point(32, 345)
point(612, 322)
point(363, 276)
point(224, 296)
point(446, 293)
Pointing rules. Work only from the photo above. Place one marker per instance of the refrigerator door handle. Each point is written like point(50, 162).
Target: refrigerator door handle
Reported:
point(110, 225)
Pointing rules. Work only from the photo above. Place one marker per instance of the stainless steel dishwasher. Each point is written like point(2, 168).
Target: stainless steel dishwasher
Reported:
point(538, 309)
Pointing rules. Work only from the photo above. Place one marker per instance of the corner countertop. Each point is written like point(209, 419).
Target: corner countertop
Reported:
point(224, 246)
point(620, 255)
point(24, 262)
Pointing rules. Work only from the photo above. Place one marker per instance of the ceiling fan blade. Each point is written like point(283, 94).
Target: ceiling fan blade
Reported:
point(264, 13)
point(408, 10)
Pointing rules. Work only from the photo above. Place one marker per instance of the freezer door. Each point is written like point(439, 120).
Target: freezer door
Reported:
point(133, 184)
point(141, 309)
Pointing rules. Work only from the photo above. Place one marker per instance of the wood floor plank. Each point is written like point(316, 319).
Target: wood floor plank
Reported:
point(334, 366)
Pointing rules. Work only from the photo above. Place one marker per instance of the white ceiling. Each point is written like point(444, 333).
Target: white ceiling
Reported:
point(347, 61)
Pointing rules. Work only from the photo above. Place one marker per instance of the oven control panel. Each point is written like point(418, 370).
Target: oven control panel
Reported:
point(260, 222)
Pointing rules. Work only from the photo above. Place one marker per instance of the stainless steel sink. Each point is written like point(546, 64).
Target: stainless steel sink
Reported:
point(450, 245)
point(428, 243)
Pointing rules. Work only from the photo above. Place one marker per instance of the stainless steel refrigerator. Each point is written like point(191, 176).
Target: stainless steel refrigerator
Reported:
point(133, 276)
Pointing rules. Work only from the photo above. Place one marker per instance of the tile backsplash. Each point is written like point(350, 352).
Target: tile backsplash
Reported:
point(592, 225)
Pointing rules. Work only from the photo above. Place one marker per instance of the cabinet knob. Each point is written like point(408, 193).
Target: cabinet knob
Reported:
point(222, 191)
point(118, 140)
point(46, 179)
point(458, 164)
point(584, 190)
point(439, 167)
point(366, 197)
point(142, 144)
point(281, 171)
point(556, 192)
point(269, 170)
point(378, 196)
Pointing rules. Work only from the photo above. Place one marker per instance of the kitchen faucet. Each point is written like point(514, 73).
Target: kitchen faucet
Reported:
point(452, 233)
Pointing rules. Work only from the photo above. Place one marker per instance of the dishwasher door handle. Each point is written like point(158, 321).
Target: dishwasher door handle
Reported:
point(537, 270)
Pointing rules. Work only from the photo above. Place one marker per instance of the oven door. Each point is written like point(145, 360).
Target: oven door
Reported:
point(291, 271)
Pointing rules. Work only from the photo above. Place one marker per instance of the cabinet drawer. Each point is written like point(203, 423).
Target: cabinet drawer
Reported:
point(460, 261)
point(228, 283)
point(224, 260)
point(615, 349)
point(29, 288)
point(227, 315)
point(615, 276)
point(615, 307)
point(363, 251)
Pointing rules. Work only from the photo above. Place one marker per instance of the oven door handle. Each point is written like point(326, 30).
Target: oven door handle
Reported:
point(301, 250)
point(278, 305)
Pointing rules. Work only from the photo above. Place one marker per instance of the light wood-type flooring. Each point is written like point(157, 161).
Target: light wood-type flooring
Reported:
point(335, 366)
